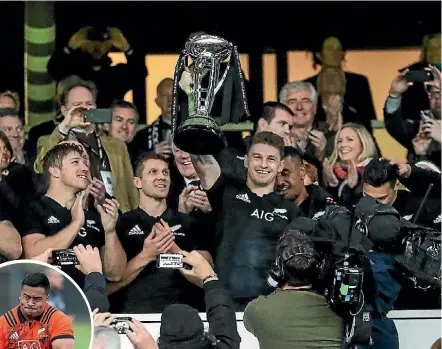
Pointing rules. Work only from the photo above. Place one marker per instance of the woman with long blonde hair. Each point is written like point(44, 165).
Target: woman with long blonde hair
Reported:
point(354, 148)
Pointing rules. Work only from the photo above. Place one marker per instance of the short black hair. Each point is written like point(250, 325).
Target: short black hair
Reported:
point(378, 172)
point(300, 269)
point(269, 138)
point(269, 109)
point(139, 167)
point(37, 280)
point(292, 152)
point(121, 103)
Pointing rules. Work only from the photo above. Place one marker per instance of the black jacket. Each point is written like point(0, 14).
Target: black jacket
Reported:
point(358, 100)
point(17, 188)
point(221, 316)
point(403, 131)
point(146, 139)
point(95, 291)
point(317, 201)
point(112, 82)
point(409, 202)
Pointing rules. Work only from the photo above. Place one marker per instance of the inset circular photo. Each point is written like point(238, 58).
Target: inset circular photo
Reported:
point(42, 308)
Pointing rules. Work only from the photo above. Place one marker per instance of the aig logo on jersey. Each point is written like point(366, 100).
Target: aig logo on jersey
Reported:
point(29, 344)
point(269, 216)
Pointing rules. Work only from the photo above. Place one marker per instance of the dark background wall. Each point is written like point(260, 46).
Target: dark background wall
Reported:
point(155, 27)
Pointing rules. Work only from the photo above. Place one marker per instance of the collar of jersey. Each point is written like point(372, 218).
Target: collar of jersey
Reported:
point(22, 318)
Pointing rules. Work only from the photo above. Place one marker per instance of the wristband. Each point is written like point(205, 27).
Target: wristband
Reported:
point(209, 277)
point(61, 132)
point(394, 97)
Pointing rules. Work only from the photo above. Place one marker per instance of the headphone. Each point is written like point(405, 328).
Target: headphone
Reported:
point(276, 275)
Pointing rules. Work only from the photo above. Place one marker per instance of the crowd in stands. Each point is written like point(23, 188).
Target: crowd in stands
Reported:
point(119, 198)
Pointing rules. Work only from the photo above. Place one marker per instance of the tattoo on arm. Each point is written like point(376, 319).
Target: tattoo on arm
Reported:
point(203, 159)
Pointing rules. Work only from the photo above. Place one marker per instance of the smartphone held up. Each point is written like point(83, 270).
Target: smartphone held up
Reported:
point(416, 76)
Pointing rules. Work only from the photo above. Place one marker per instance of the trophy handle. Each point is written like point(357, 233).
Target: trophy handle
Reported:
point(213, 87)
point(223, 78)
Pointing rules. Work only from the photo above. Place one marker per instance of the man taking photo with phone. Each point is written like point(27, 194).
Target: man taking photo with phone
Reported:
point(109, 159)
point(422, 139)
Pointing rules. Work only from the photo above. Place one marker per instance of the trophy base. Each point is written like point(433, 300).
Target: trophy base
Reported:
point(200, 135)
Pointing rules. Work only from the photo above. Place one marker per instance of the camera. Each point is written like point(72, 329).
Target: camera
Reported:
point(121, 324)
point(171, 261)
point(419, 76)
point(347, 285)
point(64, 257)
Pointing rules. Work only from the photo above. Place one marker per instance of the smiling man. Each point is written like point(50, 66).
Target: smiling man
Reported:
point(150, 229)
point(34, 323)
point(311, 199)
point(275, 117)
point(248, 218)
point(57, 220)
point(124, 121)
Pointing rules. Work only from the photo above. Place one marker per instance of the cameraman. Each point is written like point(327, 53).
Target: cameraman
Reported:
point(294, 316)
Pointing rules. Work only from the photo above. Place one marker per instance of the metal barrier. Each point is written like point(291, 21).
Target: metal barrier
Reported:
point(418, 329)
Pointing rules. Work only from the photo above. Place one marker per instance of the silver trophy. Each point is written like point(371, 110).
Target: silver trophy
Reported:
point(199, 133)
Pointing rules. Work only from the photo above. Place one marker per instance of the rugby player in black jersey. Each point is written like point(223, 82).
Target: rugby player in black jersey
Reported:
point(249, 217)
point(57, 220)
point(150, 229)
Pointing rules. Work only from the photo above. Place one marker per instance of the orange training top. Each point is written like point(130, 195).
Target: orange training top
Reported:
point(18, 333)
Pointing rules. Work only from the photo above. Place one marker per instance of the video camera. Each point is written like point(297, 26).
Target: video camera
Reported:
point(421, 259)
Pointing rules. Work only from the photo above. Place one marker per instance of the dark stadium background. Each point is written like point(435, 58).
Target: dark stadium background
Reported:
point(256, 27)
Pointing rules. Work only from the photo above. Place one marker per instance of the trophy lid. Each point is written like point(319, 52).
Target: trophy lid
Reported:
point(202, 44)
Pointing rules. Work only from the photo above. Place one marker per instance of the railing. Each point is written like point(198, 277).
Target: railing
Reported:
point(418, 329)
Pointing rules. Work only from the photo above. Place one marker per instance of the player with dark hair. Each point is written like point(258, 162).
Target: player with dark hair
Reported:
point(275, 117)
point(150, 229)
point(248, 217)
point(34, 323)
point(311, 199)
point(381, 181)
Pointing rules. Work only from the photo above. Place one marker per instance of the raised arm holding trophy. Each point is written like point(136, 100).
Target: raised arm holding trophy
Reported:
point(215, 66)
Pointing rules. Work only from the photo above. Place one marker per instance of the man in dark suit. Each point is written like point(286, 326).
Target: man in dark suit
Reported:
point(357, 97)
point(415, 98)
